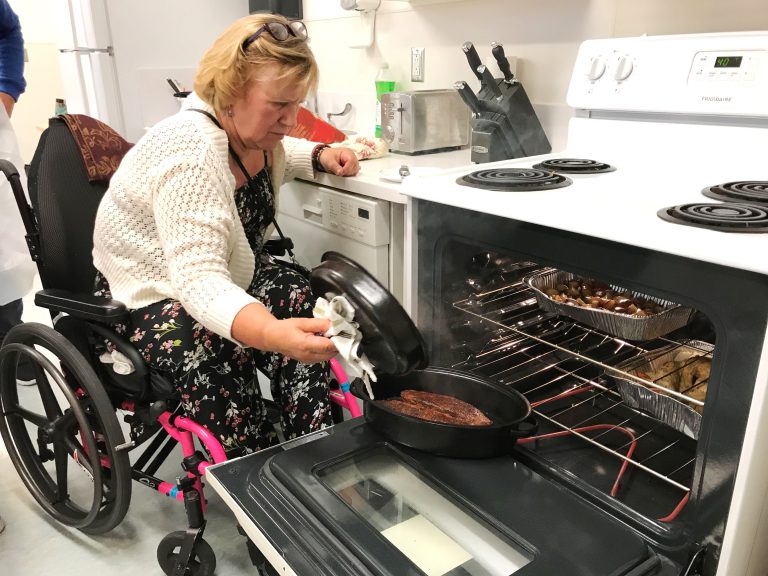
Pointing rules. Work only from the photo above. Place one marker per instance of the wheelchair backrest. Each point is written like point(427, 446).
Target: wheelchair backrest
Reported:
point(65, 204)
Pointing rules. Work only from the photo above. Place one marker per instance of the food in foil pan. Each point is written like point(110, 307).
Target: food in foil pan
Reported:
point(687, 373)
point(589, 293)
point(609, 308)
point(683, 370)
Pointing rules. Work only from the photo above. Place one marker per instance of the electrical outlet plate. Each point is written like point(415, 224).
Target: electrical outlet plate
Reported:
point(417, 64)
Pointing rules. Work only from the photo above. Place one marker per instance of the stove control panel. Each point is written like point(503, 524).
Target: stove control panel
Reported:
point(713, 74)
point(728, 66)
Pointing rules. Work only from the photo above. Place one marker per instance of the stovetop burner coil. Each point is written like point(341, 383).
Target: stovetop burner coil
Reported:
point(729, 217)
point(744, 191)
point(514, 180)
point(574, 166)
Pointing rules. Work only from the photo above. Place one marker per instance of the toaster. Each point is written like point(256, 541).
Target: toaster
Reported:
point(424, 121)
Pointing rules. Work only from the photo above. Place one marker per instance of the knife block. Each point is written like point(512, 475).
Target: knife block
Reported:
point(507, 126)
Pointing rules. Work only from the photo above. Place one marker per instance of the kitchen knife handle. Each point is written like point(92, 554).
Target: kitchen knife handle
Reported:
point(489, 80)
point(472, 58)
point(469, 97)
point(498, 52)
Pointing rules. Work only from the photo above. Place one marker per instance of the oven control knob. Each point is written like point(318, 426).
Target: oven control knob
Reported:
point(595, 68)
point(624, 68)
point(388, 133)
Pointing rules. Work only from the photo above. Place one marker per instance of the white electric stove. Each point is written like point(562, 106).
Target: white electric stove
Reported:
point(673, 115)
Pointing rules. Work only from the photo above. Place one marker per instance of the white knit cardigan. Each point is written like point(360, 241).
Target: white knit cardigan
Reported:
point(168, 225)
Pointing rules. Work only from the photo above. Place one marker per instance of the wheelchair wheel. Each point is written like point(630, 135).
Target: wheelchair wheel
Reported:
point(202, 562)
point(62, 434)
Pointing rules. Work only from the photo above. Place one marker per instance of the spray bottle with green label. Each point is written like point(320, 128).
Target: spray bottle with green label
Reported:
point(384, 83)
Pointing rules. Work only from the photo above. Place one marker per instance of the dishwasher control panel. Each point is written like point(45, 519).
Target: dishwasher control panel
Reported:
point(359, 218)
point(363, 219)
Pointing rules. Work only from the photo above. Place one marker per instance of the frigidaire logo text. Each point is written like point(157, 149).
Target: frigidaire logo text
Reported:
point(716, 98)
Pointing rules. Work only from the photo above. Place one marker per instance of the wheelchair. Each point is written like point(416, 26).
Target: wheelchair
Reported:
point(77, 427)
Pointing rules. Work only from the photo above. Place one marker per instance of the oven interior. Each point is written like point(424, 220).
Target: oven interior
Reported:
point(479, 313)
point(494, 327)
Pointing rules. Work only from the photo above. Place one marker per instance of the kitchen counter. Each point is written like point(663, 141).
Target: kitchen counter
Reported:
point(369, 183)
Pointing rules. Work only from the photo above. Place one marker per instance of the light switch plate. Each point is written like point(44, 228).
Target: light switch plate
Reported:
point(417, 64)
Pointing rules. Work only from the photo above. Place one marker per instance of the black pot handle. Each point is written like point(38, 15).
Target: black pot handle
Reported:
point(526, 427)
point(357, 387)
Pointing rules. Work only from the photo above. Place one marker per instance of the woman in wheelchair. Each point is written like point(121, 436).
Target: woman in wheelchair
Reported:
point(180, 234)
point(178, 239)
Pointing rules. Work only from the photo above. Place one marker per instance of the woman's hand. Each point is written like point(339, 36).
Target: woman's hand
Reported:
point(297, 338)
point(300, 338)
point(339, 161)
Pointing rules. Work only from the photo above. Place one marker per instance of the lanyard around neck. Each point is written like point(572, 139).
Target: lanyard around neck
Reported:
point(248, 178)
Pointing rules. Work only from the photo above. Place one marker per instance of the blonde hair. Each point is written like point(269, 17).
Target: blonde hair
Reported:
point(226, 70)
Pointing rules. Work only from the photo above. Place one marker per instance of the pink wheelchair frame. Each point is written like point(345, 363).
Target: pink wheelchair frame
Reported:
point(183, 430)
point(187, 551)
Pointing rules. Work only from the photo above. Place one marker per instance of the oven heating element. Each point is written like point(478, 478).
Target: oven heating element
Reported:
point(726, 217)
point(574, 166)
point(514, 180)
point(745, 191)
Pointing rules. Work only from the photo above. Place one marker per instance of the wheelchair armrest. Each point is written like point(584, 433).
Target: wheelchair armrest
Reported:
point(79, 305)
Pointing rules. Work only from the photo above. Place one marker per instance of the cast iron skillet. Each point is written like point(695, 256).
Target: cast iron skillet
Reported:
point(397, 351)
point(508, 410)
point(390, 340)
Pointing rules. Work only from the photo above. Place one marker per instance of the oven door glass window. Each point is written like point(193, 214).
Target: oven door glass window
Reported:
point(434, 533)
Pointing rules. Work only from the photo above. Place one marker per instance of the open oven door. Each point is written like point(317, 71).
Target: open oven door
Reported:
point(345, 501)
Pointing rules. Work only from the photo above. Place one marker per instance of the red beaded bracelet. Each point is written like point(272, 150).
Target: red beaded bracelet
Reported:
point(316, 157)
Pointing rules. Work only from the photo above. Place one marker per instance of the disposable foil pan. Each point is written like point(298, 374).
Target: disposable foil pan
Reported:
point(667, 409)
point(622, 326)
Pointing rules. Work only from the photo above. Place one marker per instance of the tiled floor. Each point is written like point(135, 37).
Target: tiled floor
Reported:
point(35, 544)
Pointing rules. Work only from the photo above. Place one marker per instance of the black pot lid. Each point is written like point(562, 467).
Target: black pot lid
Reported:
point(391, 341)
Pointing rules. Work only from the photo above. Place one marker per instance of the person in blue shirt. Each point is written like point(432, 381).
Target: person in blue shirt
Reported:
point(15, 272)
point(12, 85)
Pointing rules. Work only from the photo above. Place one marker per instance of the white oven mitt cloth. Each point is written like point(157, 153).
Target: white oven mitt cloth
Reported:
point(120, 362)
point(346, 336)
point(365, 147)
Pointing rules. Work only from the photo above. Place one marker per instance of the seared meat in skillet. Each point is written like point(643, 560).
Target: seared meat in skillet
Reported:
point(437, 408)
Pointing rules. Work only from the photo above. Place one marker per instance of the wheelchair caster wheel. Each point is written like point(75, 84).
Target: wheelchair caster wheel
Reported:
point(201, 563)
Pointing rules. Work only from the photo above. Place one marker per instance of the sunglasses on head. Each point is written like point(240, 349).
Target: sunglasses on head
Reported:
point(279, 32)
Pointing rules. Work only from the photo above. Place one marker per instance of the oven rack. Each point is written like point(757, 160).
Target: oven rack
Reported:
point(562, 367)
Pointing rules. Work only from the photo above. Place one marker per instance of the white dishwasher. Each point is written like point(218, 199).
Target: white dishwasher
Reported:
point(367, 230)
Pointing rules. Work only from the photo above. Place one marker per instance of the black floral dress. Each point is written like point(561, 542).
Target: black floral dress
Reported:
point(217, 378)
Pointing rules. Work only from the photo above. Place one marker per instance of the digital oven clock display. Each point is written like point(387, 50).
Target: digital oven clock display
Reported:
point(728, 61)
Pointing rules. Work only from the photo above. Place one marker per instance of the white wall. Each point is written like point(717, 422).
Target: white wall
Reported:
point(543, 34)
point(154, 38)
